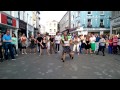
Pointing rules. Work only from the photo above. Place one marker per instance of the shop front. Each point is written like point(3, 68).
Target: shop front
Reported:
point(99, 31)
point(30, 31)
point(7, 22)
point(22, 28)
point(115, 26)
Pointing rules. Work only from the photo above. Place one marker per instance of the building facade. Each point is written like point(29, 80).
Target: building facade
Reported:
point(42, 29)
point(9, 20)
point(115, 23)
point(37, 23)
point(52, 27)
point(65, 22)
point(86, 22)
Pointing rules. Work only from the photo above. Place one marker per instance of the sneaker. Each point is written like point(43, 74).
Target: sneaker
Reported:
point(58, 51)
point(22, 53)
point(13, 59)
point(16, 54)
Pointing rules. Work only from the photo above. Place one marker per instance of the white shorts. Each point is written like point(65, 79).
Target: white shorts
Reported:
point(48, 45)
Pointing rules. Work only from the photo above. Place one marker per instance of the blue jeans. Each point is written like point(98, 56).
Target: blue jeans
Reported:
point(80, 49)
point(110, 49)
point(10, 47)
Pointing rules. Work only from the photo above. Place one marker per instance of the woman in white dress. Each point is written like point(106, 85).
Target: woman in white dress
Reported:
point(76, 42)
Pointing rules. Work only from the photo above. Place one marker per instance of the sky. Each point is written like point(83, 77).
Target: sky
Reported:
point(51, 15)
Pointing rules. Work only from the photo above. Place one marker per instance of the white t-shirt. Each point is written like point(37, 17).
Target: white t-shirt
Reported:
point(92, 39)
point(67, 43)
point(102, 42)
point(57, 39)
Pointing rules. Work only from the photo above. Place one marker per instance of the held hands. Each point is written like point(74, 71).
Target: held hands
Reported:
point(9, 40)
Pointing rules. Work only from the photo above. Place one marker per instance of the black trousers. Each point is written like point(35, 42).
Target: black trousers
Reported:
point(114, 49)
point(1, 55)
point(57, 47)
point(14, 47)
point(101, 48)
point(118, 47)
point(39, 48)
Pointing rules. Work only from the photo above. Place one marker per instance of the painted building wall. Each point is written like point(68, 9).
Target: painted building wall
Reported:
point(52, 27)
point(95, 18)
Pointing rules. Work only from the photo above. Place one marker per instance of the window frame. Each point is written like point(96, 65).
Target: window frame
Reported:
point(50, 30)
point(102, 22)
point(102, 13)
point(90, 21)
point(54, 30)
point(89, 14)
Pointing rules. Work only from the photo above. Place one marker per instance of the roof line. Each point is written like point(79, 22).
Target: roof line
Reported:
point(64, 15)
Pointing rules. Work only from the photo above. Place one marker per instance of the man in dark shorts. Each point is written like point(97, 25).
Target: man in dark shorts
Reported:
point(39, 41)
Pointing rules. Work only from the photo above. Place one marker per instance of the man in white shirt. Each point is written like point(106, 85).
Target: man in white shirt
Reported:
point(102, 45)
point(57, 42)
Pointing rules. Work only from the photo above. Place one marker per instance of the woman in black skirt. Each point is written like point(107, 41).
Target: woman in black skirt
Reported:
point(87, 45)
point(44, 43)
point(32, 44)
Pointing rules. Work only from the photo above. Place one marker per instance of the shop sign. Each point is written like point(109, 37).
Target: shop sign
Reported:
point(52, 33)
point(7, 20)
point(101, 32)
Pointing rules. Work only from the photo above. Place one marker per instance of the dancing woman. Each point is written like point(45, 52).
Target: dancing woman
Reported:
point(66, 48)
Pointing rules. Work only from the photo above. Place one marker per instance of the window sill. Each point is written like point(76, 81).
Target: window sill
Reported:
point(89, 14)
point(102, 14)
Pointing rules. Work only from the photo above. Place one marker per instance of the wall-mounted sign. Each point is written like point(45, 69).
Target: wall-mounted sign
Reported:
point(7, 20)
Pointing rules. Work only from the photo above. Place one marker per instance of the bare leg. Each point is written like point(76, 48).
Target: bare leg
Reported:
point(90, 51)
point(34, 50)
point(40, 51)
point(22, 51)
point(64, 55)
point(30, 50)
point(72, 55)
point(87, 51)
point(25, 51)
point(48, 51)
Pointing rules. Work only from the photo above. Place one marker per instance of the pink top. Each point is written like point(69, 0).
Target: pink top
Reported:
point(115, 40)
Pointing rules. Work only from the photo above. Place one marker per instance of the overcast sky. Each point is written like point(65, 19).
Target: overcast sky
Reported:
point(51, 15)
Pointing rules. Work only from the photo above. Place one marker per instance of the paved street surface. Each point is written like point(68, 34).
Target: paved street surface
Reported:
point(32, 66)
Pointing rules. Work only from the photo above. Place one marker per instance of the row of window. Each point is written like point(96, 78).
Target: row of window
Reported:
point(54, 30)
point(89, 13)
point(51, 24)
point(89, 23)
